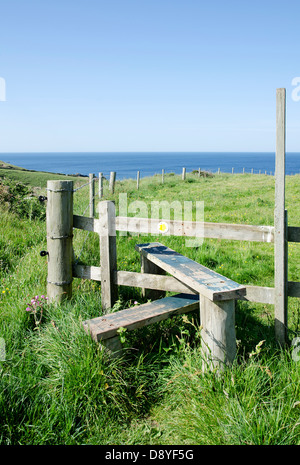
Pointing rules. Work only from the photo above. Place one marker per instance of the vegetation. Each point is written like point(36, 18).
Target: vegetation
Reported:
point(58, 387)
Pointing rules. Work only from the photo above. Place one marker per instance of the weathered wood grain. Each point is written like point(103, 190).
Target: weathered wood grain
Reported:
point(59, 239)
point(241, 232)
point(203, 280)
point(280, 223)
point(218, 333)
point(106, 327)
point(108, 254)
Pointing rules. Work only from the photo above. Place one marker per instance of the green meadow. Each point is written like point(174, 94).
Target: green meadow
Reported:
point(58, 387)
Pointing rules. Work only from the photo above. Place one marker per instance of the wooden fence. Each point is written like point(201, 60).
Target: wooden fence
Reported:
point(61, 221)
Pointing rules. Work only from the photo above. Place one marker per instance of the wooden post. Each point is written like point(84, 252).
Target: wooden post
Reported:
point(243, 170)
point(112, 181)
point(219, 170)
point(218, 333)
point(92, 194)
point(183, 174)
point(149, 267)
point(162, 175)
point(280, 223)
point(59, 239)
point(138, 180)
point(199, 172)
point(108, 253)
point(232, 171)
point(100, 185)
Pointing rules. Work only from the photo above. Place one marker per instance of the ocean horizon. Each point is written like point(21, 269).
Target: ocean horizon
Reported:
point(126, 164)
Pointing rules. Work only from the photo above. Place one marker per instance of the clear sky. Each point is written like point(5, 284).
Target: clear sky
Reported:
point(147, 75)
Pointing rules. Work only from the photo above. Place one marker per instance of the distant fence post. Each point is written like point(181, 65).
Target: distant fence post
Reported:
point(100, 185)
point(108, 254)
point(112, 181)
point(138, 180)
point(162, 175)
point(92, 194)
point(280, 223)
point(183, 174)
point(59, 239)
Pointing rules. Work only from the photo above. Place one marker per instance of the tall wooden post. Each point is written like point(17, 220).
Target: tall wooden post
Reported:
point(59, 239)
point(183, 174)
point(108, 253)
point(138, 180)
point(92, 194)
point(280, 223)
point(162, 175)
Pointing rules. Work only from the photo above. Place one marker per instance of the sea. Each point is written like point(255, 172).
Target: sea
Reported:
point(126, 164)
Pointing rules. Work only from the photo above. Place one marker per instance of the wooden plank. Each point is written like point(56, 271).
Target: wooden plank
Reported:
point(106, 327)
point(134, 279)
point(85, 223)
point(108, 254)
point(263, 295)
point(293, 234)
point(87, 272)
point(241, 232)
point(280, 222)
point(203, 280)
point(59, 239)
point(228, 231)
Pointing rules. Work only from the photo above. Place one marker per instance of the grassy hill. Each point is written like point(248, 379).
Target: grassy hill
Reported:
point(58, 387)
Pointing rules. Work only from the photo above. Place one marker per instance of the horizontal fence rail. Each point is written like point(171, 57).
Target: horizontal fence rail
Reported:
point(241, 232)
point(264, 295)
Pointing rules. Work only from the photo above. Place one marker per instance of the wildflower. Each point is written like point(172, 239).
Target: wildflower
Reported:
point(36, 307)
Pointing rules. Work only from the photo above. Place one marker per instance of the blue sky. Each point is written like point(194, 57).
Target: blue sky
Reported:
point(147, 75)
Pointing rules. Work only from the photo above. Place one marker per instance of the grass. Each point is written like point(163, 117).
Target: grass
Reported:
point(58, 387)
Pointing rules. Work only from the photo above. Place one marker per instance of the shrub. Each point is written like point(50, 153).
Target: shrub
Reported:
point(20, 199)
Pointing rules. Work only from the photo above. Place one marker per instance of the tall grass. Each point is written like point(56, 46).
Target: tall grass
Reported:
point(59, 387)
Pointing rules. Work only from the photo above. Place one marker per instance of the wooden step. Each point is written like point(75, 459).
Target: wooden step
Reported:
point(206, 282)
point(106, 326)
